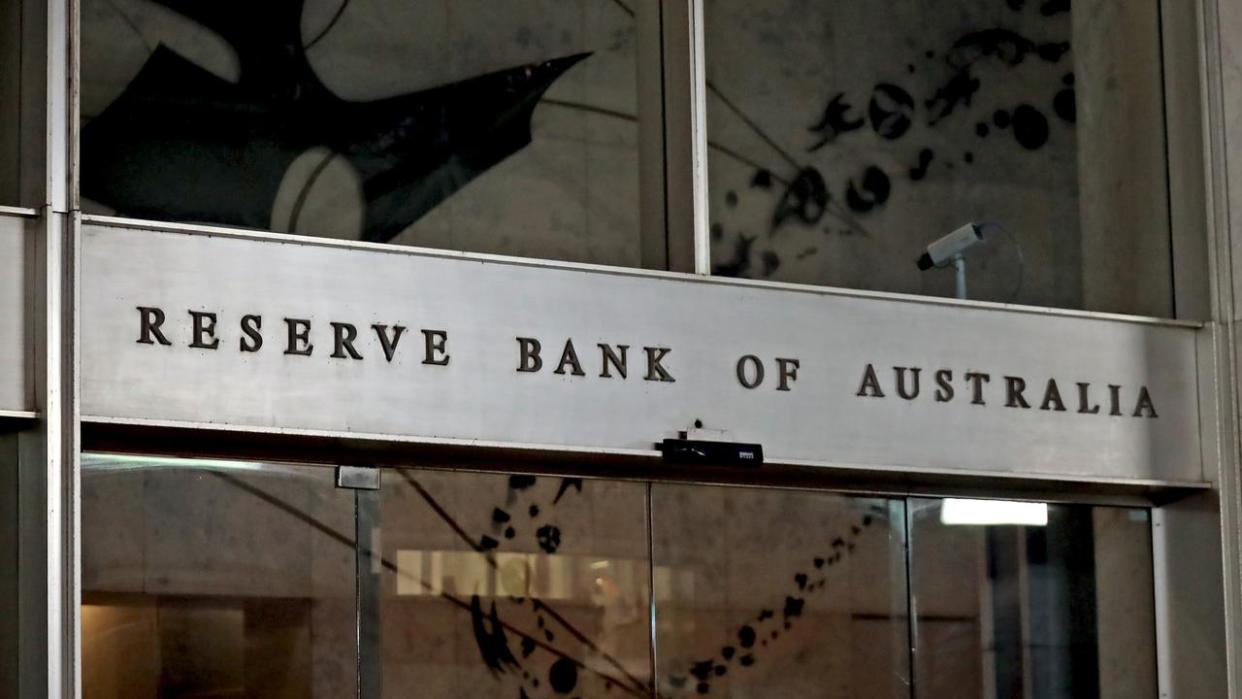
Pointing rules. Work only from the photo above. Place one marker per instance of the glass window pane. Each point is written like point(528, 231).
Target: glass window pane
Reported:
point(215, 579)
point(1032, 600)
point(10, 99)
point(513, 586)
point(472, 125)
point(845, 138)
point(770, 593)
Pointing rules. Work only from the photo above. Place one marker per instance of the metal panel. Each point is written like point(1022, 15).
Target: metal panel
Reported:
point(16, 393)
point(483, 305)
point(1192, 652)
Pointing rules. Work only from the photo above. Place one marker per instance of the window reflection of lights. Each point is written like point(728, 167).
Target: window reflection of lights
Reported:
point(537, 575)
point(993, 512)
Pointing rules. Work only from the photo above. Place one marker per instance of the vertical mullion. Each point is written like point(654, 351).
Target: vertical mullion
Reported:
point(698, 144)
point(367, 569)
point(685, 136)
point(48, 476)
point(653, 643)
point(911, 602)
point(47, 489)
point(652, 144)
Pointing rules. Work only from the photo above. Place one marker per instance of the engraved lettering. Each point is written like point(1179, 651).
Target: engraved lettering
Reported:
point(787, 369)
point(530, 361)
point(656, 371)
point(976, 380)
point(569, 357)
point(1014, 386)
point(1114, 398)
point(204, 336)
point(1145, 405)
point(435, 347)
point(388, 343)
point(250, 325)
point(944, 386)
point(902, 390)
point(1084, 399)
point(149, 322)
point(870, 387)
point(752, 378)
point(610, 357)
point(343, 336)
point(1052, 398)
point(299, 337)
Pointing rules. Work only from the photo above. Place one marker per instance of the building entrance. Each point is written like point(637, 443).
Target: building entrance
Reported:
point(241, 579)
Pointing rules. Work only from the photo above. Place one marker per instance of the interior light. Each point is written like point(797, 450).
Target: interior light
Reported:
point(993, 512)
point(129, 462)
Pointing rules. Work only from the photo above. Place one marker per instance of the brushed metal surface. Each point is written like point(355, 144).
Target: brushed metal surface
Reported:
point(15, 339)
point(484, 305)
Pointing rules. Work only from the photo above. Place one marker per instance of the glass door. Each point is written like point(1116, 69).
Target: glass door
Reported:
point(216, 579)
point(237, 579)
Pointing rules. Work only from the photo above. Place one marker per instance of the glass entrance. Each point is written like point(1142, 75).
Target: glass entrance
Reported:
point(230, 579)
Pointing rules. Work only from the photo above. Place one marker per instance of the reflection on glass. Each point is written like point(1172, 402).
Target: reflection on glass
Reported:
point(10, 99)
point(768, 593)
point(498, 127)
point(513, 586)
point(1005, 608)
point(844, 138)
point(215, 579)
point(236, 579)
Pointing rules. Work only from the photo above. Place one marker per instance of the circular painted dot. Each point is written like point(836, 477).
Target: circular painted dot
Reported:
point(1030, 127)
point(982, 130)
point(969, 157)
point(563, 676)
point(1065, 104)
point(1001, 118)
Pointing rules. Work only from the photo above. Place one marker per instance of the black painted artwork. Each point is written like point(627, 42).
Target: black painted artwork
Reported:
point(183, 144)
point(838, 201)
point(533, 663)
point(755, 636)
point(509, 651)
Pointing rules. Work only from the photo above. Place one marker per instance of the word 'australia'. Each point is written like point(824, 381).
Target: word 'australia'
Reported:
point(347, 340)
point(977, 387)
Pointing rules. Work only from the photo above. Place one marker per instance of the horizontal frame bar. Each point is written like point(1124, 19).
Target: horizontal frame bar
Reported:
point(198, 440)
point(256, 235)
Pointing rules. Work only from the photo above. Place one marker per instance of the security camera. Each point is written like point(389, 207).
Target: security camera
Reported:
point(942, 252)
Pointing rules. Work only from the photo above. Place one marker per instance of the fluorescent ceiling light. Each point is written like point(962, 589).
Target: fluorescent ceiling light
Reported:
point(129, 462)
point(993, 512)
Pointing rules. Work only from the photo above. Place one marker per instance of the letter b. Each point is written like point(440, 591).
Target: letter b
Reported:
point(530, 361)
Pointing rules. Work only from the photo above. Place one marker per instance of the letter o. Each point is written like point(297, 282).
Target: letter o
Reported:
point(741, 371)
